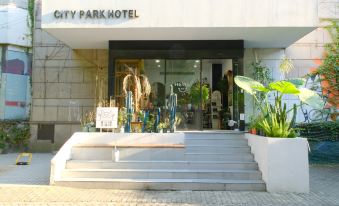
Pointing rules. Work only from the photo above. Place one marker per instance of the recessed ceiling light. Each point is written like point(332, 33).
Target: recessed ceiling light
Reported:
point(197, 61)
point(159, 65)
point(157, 60)
point(195, 66)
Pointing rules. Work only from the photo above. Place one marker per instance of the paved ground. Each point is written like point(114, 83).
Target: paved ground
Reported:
point(27, 185)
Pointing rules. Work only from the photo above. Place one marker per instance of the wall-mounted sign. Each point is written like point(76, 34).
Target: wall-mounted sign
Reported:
point(96, 14)
point(107, 117)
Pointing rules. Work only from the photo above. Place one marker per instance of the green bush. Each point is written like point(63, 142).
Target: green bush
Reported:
point(319, 131)
point(14, 135)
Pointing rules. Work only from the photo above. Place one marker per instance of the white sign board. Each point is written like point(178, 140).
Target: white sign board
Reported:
point(107, 117)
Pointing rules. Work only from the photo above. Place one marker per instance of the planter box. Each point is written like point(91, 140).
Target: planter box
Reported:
point(283, 162)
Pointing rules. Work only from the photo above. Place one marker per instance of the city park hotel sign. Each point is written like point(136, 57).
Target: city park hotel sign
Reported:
point(96, 14)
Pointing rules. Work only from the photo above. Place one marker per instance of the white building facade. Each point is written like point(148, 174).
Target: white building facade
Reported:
point(79, 45)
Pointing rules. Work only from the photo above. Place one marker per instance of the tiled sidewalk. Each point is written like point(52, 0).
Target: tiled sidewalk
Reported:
point(27, 185)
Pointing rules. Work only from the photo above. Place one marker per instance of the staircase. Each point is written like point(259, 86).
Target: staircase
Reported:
point(207, 161)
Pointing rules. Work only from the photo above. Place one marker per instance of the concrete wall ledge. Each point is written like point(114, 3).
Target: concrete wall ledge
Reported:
point(282, 161)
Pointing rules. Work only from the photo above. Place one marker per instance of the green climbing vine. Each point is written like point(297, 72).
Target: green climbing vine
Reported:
point(30, 19)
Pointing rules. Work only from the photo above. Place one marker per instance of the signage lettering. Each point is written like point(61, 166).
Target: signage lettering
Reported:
point(96, 14)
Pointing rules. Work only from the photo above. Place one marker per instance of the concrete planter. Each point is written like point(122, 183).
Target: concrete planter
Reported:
point(282, 161)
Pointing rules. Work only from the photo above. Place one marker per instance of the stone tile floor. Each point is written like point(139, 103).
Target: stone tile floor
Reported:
point(28, 185)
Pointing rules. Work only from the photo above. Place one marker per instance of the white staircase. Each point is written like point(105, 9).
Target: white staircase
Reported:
point(208, 161)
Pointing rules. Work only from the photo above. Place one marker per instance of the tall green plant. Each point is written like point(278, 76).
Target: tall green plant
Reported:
point(275, 121)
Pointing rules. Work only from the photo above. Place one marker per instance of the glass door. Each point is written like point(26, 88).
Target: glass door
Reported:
point(184, 75)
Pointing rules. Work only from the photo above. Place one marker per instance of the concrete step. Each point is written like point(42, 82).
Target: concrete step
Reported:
point(220, 142)
point(218, 157)
point(164, 184)
point(217, 149)
point(215, 136)
point(217, 165)
point(105, 153)
point(162, 174)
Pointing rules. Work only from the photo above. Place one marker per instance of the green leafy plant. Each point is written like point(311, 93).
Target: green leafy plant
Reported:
point(195, 93)
point(14, 135)
point(19, 135)
point(3, 139)
point(276, 121)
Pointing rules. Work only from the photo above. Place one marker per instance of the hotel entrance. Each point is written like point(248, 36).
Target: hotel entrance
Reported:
point(206, 96)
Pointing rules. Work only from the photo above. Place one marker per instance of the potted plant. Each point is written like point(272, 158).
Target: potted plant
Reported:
point(252, 125)
point(161, 127)
point(166, 125)
point(122, 118)
point(195, 94)
point(88, 122)
point(280, 151)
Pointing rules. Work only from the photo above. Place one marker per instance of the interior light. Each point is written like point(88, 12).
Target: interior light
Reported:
point(195, 66)
point(158, 65)
point(197, 61)
point(157, 61)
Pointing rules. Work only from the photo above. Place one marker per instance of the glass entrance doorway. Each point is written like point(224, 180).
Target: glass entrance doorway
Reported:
point(204, 89)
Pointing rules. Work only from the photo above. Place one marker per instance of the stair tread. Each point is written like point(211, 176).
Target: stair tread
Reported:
point(215, 153)
point(215, 181)
point(165, 170)
point(224, 146)
point(164, 161)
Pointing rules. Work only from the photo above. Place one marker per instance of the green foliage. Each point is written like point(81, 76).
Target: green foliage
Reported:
point(14, 134)
point(122, 116)
point(261, 73)
point(274, 119)
point(30, 21)
point(195, 93)
point(3, 139)
point(320, 131)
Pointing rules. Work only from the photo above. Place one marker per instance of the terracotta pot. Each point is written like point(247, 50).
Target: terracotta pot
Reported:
point(253, 131)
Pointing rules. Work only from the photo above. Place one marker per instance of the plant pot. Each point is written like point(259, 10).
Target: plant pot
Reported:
point(84, 129)
point(253, 131)
point(92, 129)
point(283, 162)
point(122, 129)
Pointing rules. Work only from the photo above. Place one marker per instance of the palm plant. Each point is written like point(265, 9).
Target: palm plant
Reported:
point(138, 84)
point(275, 121)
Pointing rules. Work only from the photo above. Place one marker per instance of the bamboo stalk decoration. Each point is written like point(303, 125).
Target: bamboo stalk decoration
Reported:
point(172, 108)
point(128, 103)
point(157, 120)
point(146, 116)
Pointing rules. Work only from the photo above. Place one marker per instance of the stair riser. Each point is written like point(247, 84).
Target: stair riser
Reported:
point(226, 143)
point(145, 154)
point(166, 186)
point(235, 166)
point(218, 157)
point(215, 136)
point(211, 149)
point(162, 175)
